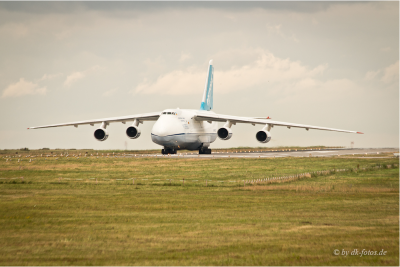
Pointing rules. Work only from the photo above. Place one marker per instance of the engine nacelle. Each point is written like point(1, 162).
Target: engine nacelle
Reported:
point(133, 132)
point(224, 133)
point(263, 136)
point(101, 134)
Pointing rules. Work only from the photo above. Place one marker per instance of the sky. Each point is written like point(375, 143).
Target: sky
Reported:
point(330, 64)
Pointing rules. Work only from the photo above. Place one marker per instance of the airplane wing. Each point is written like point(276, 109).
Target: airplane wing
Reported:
point(140, 117)
point(234, 119)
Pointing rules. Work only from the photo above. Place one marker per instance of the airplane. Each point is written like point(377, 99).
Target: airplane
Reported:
point(190, 129)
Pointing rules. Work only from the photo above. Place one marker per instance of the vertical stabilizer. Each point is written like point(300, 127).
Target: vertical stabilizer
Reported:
point(207, 101)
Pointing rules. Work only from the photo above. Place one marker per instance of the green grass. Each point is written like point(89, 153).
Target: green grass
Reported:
point(48, 221)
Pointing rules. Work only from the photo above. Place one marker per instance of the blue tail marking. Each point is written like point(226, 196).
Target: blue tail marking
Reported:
point(207, 101)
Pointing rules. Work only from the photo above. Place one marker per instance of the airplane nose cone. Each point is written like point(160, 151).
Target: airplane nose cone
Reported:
point(167, 126)
point(159, 129)
point(165, 130)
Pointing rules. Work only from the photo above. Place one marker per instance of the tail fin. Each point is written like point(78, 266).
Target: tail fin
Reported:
point(207, 101)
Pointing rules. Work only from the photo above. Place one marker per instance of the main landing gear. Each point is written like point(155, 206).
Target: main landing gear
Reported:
point(204, 150)
point(167, 151)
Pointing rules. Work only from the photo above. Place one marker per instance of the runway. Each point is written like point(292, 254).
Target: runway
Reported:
point(362, 152)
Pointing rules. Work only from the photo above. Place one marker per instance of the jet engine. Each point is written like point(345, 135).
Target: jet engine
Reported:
point(224, 133)
point(263, 136)
point(133, 132)
point(101, 134)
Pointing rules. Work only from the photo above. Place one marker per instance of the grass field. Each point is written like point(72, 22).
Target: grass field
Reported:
point(26, 151)
point(76, 220)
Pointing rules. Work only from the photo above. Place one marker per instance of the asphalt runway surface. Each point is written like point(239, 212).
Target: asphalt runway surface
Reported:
point(362, 152)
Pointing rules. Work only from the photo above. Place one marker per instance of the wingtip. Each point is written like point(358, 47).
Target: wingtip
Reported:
point(360, 133)
point(211, 62)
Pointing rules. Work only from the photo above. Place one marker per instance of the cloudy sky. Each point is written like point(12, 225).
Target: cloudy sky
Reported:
point(319, 63)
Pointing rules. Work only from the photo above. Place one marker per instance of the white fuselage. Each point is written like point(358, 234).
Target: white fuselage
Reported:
point(177, 129)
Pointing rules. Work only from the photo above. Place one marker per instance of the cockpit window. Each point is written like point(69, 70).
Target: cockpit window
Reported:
point(168, 112)
point(164, 113)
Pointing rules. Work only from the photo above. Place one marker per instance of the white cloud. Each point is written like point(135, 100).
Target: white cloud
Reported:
point(22, 88)
point(78, 75)
point(110, 92)
point(391, 73)
point(277, 29)
point(73, 78)
point(263, 70)
point(370, 75)
point(173, 83)
point(313, 90)
point(185, 56)
point(49, 76)
point(387, 75)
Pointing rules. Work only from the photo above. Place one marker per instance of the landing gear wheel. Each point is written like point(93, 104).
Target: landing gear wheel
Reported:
point(205, 151)
point(167, 151)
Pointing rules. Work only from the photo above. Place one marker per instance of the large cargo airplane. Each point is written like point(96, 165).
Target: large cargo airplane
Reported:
point(177, 129)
